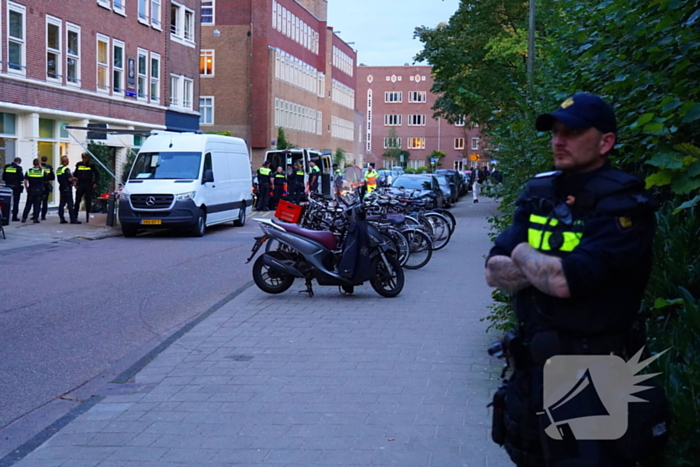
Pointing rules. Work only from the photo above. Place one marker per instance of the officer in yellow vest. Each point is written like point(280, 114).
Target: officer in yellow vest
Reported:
point(314, 174)
point(296, 184)
point(13, 176)
point(49, 177)
point(65, 189)
point(88, 177)
point(371, 178)
point(34, 182)
point(264, 182)
point(280, 182)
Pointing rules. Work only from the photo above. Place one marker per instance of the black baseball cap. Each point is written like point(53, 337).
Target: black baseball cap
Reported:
point(579, 112)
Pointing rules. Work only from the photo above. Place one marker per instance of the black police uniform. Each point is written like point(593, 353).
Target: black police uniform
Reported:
point(280, 180)
point(35, 178)
point(296, 186)
point(604, 239)
point(13, 176)
point(87, 176)
point(264, 174)
point(314, 176)
point(49, 177)
point(65, 190)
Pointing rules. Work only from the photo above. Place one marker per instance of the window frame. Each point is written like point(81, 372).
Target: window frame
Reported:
point(211, 112)
point(187, 92)
point(388, 94)
point(143, 16)
point(475, 143)
point(58, 51)
point(421, 119)
point(203, 54)
point(105, 4)
point(175, 90)
point(22, 42)
point(412, 97)
point(156, 20)
point(105, 89)
point(460, 122)
point(154, 80)
point(142, 83)
point(457, 143)
point(181, 24)
point(397, 140)
point(73, 28)
point(410, 143)
point(119, 7)
point(397, 121)
point(213, 12)
point(121, 91)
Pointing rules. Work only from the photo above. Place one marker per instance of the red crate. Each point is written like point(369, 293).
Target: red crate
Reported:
point(288, 212)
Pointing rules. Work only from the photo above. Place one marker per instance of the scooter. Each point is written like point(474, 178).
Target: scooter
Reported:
point(312, 254)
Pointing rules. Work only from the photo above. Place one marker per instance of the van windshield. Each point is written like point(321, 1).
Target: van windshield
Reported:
point(166, 166)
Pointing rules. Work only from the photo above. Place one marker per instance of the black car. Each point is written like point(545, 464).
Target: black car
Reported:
point(454, 177)
point(426, 186)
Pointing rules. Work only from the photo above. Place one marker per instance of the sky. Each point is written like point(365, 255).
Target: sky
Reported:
point(382, 30)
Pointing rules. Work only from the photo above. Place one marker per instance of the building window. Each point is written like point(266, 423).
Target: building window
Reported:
point(143, 11)
point(393, 96)
point(118, 67)
point(142, 73)
point(392, 120)
point(208, 12)
point(416, 143)
point(181, 24)
point(416, 120)
point(206, 110)
point(460, 122)
point(73, 54)
point(206, 62)
point(187, 87)
point(155, 77)
point(16, 32)
point(155, 14)
point(475, 143)
point(417, 96)
point(102, 63)
point(392, 143)
point(53, 48)
point(119, 7)
point(175, 91)
point(459, 143)
point(104, 3)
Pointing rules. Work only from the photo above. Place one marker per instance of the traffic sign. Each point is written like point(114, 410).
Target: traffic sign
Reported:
point(474, 157)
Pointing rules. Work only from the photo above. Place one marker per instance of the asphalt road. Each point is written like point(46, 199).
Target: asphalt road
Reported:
point(71, 310)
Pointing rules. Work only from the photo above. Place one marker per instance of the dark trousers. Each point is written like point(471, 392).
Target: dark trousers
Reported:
point(83, 192)
point(279, 190)
point(296, 194)
point(45, 200)
point(33, 203)
point(263, 197)
point(16, 193)
point(66, 201)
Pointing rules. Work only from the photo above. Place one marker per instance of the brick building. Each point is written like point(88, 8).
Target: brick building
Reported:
point(276, 63)
point(399, 97)
point(127, 64)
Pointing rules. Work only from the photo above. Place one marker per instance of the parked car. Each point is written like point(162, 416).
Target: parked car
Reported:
point(448, 188)
point(455, 178)
point(467, 177)
point(425, 185)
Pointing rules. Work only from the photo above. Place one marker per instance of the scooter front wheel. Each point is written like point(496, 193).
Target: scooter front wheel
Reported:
point(387, 281)
point(267, 279)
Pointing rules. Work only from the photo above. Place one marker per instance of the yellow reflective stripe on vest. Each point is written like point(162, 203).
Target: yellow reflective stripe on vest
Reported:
point(35, 173)
point(11, 170)
point(83, 167)
point(265, 171)
point(61, 169)
point(539, 238)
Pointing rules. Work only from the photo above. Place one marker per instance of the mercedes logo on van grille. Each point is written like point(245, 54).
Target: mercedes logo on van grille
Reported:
point(150, 201)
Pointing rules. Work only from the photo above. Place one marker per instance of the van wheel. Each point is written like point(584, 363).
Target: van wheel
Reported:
point(200, 225)
point(129, 230)
point(240, 222)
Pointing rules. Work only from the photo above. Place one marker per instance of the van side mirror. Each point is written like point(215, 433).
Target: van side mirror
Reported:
point(208, 176)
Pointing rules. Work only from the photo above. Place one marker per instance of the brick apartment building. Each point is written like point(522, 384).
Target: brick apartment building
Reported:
point(130, 64)
point(400, 97)
point(276, 63)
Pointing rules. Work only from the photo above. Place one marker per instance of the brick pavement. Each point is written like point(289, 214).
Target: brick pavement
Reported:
point(334, 380)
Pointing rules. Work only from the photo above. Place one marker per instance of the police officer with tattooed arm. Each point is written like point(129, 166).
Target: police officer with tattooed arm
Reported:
point(576, 259)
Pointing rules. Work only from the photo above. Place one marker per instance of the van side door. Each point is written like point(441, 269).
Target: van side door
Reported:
point(209, 189)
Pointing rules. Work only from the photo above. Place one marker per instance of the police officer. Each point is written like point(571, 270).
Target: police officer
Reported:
point(13, 176)
point(49, 177)
point(34, 182)
point(314, 175)
point(371, 177)
point(577, 258)
point(264, 182)
point(337, 178)
point(296, 184)
point(65, 190)
point(280, 181)
point(87, 178)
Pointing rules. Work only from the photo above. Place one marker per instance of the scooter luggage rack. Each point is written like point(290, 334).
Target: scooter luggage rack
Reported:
point(288, 212)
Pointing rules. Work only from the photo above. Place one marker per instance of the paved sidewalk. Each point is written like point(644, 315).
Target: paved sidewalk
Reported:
point(287, 380)
point(28, 235)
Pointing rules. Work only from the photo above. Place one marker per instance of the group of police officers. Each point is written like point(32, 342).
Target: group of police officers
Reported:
point(38, 181)
point(276, 182)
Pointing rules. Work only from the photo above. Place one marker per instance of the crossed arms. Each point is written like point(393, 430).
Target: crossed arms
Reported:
point(526, 266)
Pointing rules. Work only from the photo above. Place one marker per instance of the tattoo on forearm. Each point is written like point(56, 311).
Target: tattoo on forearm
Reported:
point(544, 272)
point(503, 273)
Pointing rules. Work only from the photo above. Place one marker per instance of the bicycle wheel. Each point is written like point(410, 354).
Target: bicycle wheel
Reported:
point(420, 246)
point(441, 229)
point(450, 218)
point(418, 222)
point(400, 243)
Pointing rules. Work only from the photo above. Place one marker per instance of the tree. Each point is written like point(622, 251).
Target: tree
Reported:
point(393, 151)
point(339, 157)
point(435, 155)
point(282, 142)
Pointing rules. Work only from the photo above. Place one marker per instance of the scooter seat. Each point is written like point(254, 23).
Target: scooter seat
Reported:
point(388, 218)
point(325, 238)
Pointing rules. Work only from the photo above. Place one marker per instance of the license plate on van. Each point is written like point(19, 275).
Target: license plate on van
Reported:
point(151, 222)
